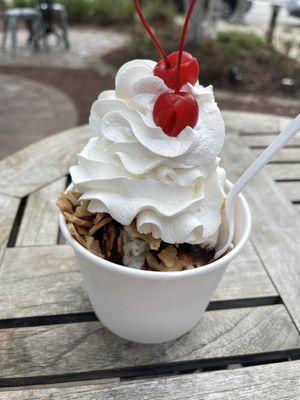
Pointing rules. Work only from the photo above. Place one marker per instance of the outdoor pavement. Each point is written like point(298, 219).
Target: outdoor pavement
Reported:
point(88, 46)
point(287, 32)
point(259, 14)
point(30, 111)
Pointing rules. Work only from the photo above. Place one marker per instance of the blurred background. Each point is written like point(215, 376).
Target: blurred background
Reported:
point(56, 57)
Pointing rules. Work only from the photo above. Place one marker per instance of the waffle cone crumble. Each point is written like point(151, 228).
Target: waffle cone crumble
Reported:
point(106, 238)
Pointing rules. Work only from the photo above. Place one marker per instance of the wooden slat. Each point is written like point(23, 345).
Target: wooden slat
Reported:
point(40, 223)
point(41, 163)
point(284, 171)
point(283, 122)
point(8, 210)
point(245, 278)
point(78, 347)
point(266, 140)
point(40, 281)
point(297, 207)
point(276, 225)
point(265, 382)
point(253, 123)
point(291, 190)
point(285, 155)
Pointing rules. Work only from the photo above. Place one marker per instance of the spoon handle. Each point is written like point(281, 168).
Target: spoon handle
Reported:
point(292, 128)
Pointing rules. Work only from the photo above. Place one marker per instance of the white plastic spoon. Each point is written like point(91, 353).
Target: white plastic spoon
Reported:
point(227, 226)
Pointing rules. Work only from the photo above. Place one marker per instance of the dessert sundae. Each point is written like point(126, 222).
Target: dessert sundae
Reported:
point(148, 190)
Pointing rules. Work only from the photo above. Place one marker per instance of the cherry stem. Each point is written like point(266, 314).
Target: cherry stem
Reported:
point(182, 41)
point(150, 33)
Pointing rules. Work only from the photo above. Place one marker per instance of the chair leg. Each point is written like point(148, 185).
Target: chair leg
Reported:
point(35, 35)
point(64, 26)
point(5, 30)
point(14, 28)
point(30, 28)
point(42, 33)
point(45, 42)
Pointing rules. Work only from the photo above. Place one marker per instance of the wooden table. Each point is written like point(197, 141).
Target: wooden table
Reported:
point(247, 345)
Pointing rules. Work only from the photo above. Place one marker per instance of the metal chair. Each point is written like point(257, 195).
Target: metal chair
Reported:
point(55, 12)
point(39, 22)
point(12, 18)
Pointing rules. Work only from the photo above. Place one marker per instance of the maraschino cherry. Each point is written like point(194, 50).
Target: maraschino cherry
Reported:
point(189, 70)
point(174, 111)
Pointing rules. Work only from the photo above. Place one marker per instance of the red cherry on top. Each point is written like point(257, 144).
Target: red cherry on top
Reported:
point(189, 70)
point(174, 111)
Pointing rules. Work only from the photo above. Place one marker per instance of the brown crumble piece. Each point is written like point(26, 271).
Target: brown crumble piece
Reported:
point(98, 216)
point(81, 210)
point(82, 231)
point(168, 256)
point(121, 240)
point(75, 234)
point(93, 246)
point(174, 261)
point(78, 221)
point(102, 222)
point(189, 267)
point(64, 205)
point(106, 238)
point(154, 263)
point(73, 197)
point(109, 240)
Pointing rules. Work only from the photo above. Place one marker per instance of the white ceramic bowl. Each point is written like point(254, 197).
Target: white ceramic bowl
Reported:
point(148, 306)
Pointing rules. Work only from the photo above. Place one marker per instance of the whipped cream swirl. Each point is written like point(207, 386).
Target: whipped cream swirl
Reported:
point(173, 186)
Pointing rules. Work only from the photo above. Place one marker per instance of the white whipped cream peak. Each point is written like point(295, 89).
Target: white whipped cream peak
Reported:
point(132, 169)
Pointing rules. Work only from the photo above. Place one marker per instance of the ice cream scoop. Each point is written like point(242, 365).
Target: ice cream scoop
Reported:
point(227, 226)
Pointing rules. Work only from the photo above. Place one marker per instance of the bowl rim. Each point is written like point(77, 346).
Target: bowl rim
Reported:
point(121, 269)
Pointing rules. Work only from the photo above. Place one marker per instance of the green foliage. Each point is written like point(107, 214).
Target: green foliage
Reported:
point(23, 3)
point(102, 12)
point(159, 12)
point(236, 43)
point(143, 47)
point(161, 16)
point(112, 11)
point(78, 10)
point(106, 12)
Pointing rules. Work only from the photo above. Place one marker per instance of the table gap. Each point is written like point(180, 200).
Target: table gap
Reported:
point(17, 223)
point(60, 237)
point(156, 370)
point(285, 162)
point(261, 147)
point(68, 180)
point(44, 320)
point(244, 303)
point(286, 180)
point(249, 133)
point(58, 319)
